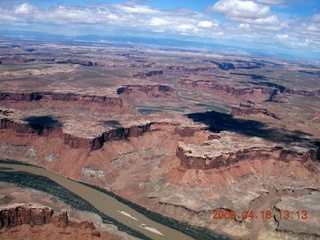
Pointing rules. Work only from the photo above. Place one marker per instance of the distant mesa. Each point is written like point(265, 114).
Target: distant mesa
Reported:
point(251, 109)
point(56, 96)
point(146, 74)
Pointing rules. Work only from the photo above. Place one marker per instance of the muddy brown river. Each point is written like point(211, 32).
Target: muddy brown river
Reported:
point(108, 205)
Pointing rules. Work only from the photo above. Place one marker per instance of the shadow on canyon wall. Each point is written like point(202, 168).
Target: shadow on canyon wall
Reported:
point(39, 123)
point(224, 122)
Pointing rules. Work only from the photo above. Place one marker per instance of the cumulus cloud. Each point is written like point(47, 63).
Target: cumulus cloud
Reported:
point(141, 9)
point(24, 9)
point(273, 2)
point(205, 24)
point(249, 12)
point(238, 9)
point(156, 21)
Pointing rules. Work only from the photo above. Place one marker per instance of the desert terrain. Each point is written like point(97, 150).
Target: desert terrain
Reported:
point(230, 143)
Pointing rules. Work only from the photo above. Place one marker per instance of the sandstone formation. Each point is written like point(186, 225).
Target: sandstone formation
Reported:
point(53, 96)
point(202, 157)
point(263, 93)
point(315, 93)
point(71, 140)
point(152, 90)
point(32, 222)
point(17, 215)
point(146, 74)
point(249, 109)
point(164, 139)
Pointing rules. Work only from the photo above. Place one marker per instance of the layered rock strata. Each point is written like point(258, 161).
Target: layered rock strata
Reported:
point(54, 96)
point(265, 92)
point(248, 109)
point(71, 140)
point(153, 90)
point(17, 215)
point(214, 154)
point(146, 74)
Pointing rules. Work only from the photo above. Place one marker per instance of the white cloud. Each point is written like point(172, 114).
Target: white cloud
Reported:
point(141, 9)
point(156, 21)
point(282, 36)
point(316, 18)
point(238, 9)
point(273, 2)
point(185, 28)
point(205, 24)
point(24, 9)
point(244, 26)
point(246, 20)
point(258, 16)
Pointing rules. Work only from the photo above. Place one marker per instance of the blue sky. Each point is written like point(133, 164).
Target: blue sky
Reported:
point(272, 25)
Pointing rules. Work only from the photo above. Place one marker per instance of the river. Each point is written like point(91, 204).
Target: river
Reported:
point(106, 204)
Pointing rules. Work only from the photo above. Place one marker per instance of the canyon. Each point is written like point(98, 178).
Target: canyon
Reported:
point(159, 135)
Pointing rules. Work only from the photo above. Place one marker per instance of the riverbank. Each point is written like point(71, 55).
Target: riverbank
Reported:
point(44, 184)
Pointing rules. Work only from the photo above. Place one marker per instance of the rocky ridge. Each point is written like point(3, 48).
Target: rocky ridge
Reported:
point(19, 214)
point(54, 96)
point(250, 109)
point(225, 149)
point(263, 93)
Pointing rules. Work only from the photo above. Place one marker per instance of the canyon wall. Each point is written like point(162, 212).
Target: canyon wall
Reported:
point(315, 93)
point(265, 92)
point(54, 96)
point(152, 90)
point(247, 109)
point(269, 92)
point(146, 74)
point(16, 216)
point(71, 140)
point(188, 160)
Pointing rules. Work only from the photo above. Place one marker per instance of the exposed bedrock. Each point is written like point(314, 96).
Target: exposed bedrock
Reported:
point(153, 90)
point(190, 160)
point(71, 140)
point(248, 109)
point(148, 73)
point(19, 60)
point(17, 215)
point(29, 128)
point(111, 135)
point(315, 93)
point(53, 96)
point(237, 92)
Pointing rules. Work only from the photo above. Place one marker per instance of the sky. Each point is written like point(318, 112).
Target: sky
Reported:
point(271, 25)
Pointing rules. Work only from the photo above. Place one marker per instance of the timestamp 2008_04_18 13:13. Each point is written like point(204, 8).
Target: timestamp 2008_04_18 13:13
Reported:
point(264, 214)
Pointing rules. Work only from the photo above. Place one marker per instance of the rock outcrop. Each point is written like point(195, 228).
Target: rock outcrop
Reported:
point(265, 92)
point(17, 215)
point(152, 90)
point(315, 93)
point(249, 109)
point(55, 96)
point(29, 128)
point(146, 74)
point(71, 140)
point(196, 157)
point(111, 135)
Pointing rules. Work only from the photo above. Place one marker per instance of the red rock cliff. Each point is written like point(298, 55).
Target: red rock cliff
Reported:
point(189, 160)
point(53, 96)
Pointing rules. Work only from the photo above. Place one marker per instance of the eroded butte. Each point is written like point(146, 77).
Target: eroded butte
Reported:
point(180, 133)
